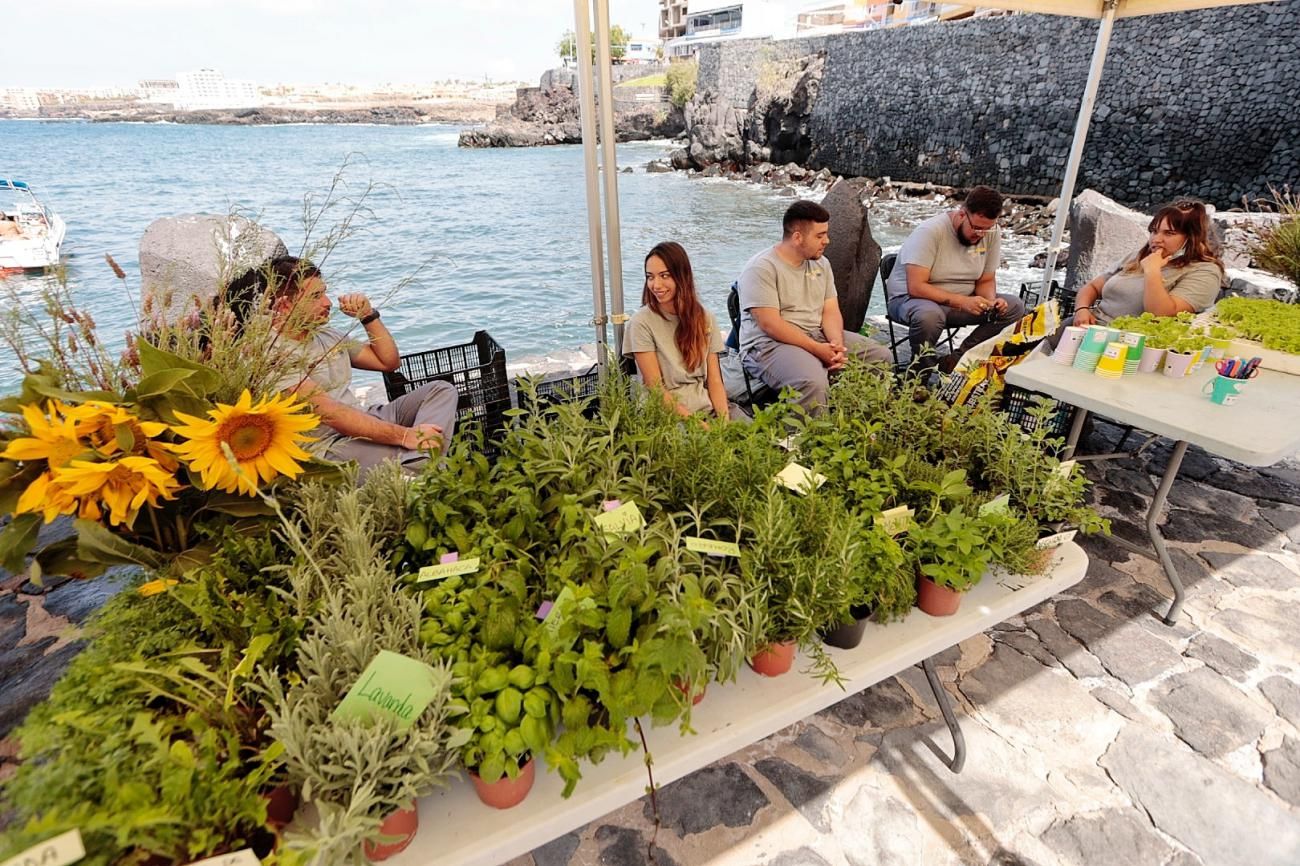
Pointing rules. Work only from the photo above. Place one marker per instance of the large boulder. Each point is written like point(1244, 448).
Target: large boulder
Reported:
point(1102, 233)
point(184, 260)
point(780, 111)
point(853, 253)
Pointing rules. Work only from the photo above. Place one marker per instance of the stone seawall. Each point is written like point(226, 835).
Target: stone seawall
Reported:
point(1194, 103)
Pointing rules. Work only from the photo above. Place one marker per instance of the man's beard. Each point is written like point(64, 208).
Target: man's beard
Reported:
point(961, 236)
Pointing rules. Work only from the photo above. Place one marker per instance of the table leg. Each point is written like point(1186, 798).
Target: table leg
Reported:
point(1076, 430)
point(1158, 540)
point(958, 759)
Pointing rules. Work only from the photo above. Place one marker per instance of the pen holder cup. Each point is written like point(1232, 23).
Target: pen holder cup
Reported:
point(1223, 390)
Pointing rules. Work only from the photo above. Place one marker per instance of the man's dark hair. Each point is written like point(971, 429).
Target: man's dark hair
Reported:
point(985, 201)
point(801, 212)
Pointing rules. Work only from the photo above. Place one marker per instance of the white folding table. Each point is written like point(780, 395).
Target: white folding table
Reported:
point(1260, 429)
point(455, 828)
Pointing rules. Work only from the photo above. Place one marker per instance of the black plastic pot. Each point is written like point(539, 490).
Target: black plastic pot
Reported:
point(849, 635)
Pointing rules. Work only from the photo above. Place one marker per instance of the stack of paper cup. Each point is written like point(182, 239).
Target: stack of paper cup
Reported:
point(1136, 343)
point(1095, 340)
point(1111, 363)
point(1068, 348)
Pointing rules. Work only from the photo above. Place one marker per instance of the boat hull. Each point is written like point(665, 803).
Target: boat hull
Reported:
point(33, 253)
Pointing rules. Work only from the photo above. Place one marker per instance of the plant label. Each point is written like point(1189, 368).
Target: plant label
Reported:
point(447, 569)
point(555, 612)
point(62, 849)
point(895, 521)
point(1065, 468)
point(392, 685)
point(246, 857)
point(1056, 540)
point(712, 547)
point(800, 479)
point(1000, 505)
point(786, 444)
point(623, 520)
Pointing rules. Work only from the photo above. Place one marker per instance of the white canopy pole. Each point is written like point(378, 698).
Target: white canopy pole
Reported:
point(587, 105)
point(1080, 138)
point(609, 160)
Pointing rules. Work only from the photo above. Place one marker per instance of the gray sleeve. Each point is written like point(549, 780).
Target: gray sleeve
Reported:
point(715, 336)
point(920, 248)
point(831, 293)
point(758, 286)
point(638, 337)
point(993, 257)
point(1198, 285)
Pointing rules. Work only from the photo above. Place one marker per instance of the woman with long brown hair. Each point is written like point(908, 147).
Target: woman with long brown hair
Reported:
point(673, 339)
point(1175, 271)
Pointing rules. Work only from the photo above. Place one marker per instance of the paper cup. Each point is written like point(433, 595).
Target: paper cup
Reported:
point(1068, 348)
point(1178, 364)
point(1111, 363)
point(1224, 390)
point(1150, 361)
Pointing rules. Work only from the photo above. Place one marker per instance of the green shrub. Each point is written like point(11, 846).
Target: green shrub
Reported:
point(681, 78)
point(1278, 249)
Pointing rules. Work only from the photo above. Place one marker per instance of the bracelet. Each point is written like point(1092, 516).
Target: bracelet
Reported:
point(369, 317)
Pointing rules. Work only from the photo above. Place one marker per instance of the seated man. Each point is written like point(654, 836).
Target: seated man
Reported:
point(406, 429)
point(945, 277)
point(791, 330)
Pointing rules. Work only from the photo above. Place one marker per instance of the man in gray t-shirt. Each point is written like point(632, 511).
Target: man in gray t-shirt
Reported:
point(791, 330)
point(945, 277)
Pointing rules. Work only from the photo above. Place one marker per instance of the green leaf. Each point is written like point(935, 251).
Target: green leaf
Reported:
point(62, 557)
point(98, 543)
point(154, 360)
point(13, 481)
point(17, 540)
point(161, 382)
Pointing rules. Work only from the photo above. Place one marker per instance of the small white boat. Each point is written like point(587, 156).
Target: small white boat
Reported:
point(30, 233)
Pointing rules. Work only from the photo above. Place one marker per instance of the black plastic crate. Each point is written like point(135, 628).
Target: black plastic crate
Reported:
point(476, 368)
point(1031, 294)
point(553, 392)
point(1016, 403)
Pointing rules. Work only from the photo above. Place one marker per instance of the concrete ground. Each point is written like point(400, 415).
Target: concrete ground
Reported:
point(1096, 734)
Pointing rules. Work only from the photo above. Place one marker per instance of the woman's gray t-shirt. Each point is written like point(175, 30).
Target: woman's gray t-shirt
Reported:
point(1124, 293)
point(648, 331)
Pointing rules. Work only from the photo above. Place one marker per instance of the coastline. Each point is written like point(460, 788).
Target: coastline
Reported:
point(467, 112)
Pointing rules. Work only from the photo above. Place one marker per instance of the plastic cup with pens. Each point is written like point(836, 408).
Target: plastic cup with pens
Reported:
point(1233, 375)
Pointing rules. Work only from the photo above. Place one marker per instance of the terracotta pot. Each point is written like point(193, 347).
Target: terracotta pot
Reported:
point(685, 688)
point(936, 600)
point(281, 803)
point(774, 659)
point(395, 833)
point(848, 635)
point(505, 792)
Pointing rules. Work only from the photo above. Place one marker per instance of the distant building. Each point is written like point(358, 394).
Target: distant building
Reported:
point(159, 90)
point(209, 88)
point(20, 99)
point(672, 19)
point(642, 50)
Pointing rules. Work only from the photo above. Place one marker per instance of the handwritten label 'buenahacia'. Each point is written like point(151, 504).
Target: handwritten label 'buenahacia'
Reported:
point(62, 849)
point(711, 546)
point(392, 685)
point(447, 569)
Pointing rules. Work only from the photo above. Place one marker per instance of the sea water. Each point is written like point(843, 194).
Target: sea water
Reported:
point(451, 240)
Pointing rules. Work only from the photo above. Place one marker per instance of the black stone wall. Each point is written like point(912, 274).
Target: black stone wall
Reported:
point(1203, 103)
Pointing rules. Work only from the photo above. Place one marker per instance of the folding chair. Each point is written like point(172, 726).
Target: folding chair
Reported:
point(886, 268)
point(757, 395)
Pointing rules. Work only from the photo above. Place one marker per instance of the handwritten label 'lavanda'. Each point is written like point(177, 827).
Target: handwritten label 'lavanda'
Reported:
point(711, 546)
point(59, 851)
point(392, 685)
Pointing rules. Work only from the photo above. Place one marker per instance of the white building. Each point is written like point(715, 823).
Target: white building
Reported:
point(162, 90)
point(20, 99)
point(209, 88)
point(644, 49)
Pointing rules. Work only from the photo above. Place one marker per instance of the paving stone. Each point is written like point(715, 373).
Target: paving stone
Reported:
point(26, 687)
point(557, 852)
point(1115, 837)
point(1194, 526)
point(48, 583)
point(1029, 645)
point(1263, 623)
point(1208, 713)
point(1184, 858)
point(1254, 570)
point(1257, 485)
point(1136, 602)
point(1117, 702)
point(78, 599)
point(1213, 500)
point(1128, 651)
point(817, 743)
point(885, 830)
point(1124, 502)
point(1284, 695)
point(623, 846)
point(13, 621)
point(1194, 572)
point(804, 856)
point(1101, 575)
point(1196, 465)
point(1221, 655)
point(885, 705)
point(1066, 649)
point(718, 795)
point(1131, 481)
point(805, 791)
point(1200, 805)
point(1282, 770)
point(1131, 531)
point(1285, 520)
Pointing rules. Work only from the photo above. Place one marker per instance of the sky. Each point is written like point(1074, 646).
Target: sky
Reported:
point(102, 43)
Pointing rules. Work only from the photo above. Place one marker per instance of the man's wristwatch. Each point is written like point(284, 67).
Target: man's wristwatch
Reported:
point(369, 317)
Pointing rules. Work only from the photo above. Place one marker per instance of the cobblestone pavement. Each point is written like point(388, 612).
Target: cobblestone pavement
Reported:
point(1096, 734)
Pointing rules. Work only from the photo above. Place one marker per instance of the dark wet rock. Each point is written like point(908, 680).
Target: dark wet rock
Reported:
point(29, 684)
point(13, 619)
point(1284, 695)
point(1257, 485)
point(1123, 501)
point(1212, 500)
point(1208, 713)
point(1126, 650)
point(885, 705)
point(1252, 570)
point(1197, 527)
point(815, 742)
point(805, 791)
point(718, 795)
point(46, 584)
point(1200, 805)
point(804, 856)
point(557, 852)
point(1066, 649)
point(1117, 702)
point(622, 846)
point(1131, 480)
point(80, 599)
point(1119, 836)
point(657, 166)
point(1222, 656)
point(1196, 465)
point(853, 252)
point(1282, 770)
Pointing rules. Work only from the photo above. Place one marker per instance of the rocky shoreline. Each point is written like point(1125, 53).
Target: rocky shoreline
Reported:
point(459, 112)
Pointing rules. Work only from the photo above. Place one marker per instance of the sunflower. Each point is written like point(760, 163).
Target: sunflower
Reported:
point(54, 439)
point(113, 430)
point(264, 441)
point(123, 485)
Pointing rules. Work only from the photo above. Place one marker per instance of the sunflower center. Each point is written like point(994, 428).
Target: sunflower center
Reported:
point(63, 451)
point(249, 436)
point(120, 476)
